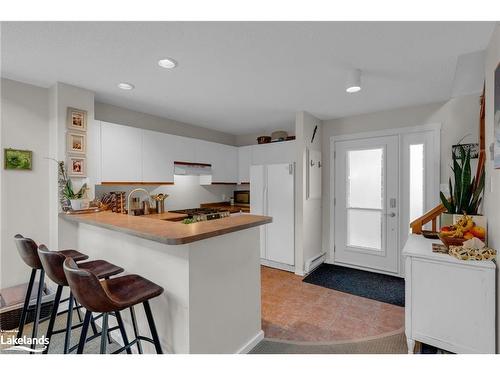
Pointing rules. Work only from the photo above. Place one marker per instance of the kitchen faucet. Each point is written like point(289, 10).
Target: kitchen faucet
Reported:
point(130, 195)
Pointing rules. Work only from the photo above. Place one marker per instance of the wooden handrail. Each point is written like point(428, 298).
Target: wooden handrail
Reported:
point(432, 215)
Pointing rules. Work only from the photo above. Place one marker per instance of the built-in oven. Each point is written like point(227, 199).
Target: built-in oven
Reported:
point(241, 197)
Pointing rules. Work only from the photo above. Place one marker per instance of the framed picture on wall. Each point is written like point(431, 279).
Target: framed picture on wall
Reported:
point(76, 143)
point(18, 159)
point(77, 166)
point(496, 118)
point(77, 119)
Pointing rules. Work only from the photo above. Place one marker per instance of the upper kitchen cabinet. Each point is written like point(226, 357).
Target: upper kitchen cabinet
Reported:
point(223, 158)
point(181, 148)
point(226, 166)
point(244, 162)
point(121, 153)
point(157, 157)
point(273, 153)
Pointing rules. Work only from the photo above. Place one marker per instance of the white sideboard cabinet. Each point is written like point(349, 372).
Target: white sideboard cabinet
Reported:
point(449, 303)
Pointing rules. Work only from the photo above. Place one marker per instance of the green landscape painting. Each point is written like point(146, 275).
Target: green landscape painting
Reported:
point(18, 159)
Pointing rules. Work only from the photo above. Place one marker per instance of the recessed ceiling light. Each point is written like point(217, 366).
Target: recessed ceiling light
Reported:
point(126, 86)
point(167, 63)
point(353, 89)
point(353, 81)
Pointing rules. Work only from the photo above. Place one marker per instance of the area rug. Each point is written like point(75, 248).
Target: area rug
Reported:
point(383, 288)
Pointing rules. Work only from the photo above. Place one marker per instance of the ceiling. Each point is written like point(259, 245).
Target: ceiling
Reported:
point(245, 77)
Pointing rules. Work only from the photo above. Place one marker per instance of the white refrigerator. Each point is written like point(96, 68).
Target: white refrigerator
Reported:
point(272, 194)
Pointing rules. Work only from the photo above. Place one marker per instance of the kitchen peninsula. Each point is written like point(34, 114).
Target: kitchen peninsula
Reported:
point(210, 272)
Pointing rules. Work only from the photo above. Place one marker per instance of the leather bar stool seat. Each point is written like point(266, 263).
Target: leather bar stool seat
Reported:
point(52, 262)
point(76, 255)
point(100, 268)
point(27, 249)
point(129, 290)
point(115, 294)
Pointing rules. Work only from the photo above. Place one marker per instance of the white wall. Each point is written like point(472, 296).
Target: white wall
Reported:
point(458, 117)
point(63, 96)
point(186, 193)
point(125, 116)
point(24, 194)
point(307, 212)
point(492, 190)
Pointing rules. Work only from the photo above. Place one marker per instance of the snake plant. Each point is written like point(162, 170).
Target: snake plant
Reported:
point(466, 191)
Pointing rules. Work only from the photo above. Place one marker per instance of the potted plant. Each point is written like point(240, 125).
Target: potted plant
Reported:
point(76, 199)
point(466, 192)
point(66, 192)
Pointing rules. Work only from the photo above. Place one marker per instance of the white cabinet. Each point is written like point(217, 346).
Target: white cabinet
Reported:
point(244, 162)
point(223, 158)
point(225, 168)
point(269, 153)
point(121, 153)
point(157, 157)
point(449, 303)
point(279, 152)
point(181, 148)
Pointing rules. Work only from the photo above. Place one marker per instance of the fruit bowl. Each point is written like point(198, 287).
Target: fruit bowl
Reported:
point(451, 241)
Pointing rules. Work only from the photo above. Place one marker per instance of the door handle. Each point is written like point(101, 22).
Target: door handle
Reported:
point(392, 214)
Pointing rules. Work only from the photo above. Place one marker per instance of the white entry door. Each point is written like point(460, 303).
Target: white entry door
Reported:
point(366, 203)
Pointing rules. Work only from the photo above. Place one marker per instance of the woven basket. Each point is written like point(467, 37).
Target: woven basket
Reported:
point(452, 241)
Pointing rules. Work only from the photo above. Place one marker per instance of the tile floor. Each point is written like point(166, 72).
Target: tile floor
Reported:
point(297, 311)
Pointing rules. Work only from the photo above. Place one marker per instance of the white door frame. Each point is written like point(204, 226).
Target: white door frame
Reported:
point(435, 127)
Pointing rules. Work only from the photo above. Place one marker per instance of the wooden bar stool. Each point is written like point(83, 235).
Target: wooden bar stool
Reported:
point(110, 295)
point(27, 249)
point(52, 262)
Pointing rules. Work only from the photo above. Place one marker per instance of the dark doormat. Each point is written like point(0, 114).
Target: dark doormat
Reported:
point(383, 288)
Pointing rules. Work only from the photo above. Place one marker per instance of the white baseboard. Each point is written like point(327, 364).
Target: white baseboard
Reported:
point(280, 266)
point(314, 262)
point(245, 349)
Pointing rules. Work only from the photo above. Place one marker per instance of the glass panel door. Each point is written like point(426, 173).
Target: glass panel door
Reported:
point(366, 215)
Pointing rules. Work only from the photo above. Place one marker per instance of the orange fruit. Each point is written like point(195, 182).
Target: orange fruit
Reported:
point(468, 235)
point(478, 232)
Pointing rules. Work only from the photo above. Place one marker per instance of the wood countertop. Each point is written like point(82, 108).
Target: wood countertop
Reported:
point(157, 228)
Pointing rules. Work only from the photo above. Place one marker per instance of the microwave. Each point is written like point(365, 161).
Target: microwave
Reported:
point(242, 197)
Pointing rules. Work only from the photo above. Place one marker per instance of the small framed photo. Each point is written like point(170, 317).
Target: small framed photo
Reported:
point(77, 119)
point(18, 159)
point(77, 166)
point(76, 143)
